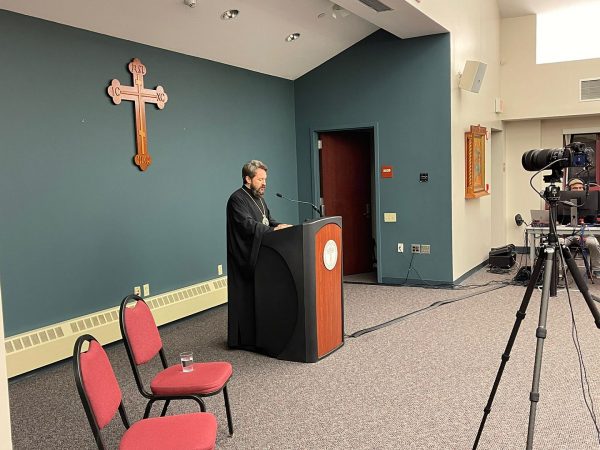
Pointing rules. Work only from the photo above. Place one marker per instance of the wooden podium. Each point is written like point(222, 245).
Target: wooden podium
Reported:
point(298, 291)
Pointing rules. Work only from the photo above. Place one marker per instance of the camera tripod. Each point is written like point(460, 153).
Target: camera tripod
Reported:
point(547, 261)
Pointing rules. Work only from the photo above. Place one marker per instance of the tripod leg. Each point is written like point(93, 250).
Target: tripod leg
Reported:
point(554, 278)
point(586, 262)
point(506, 355)
point(540, 334)
point(583, 288)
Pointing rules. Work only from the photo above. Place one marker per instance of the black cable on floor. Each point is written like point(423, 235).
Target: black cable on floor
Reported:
point(428, 308)
point(434, 285)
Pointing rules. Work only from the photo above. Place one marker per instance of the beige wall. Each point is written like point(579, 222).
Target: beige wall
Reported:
point(474, 26)
point(498, 186)
point(521, 198)
point(5, 434)
point(553, 130)
point(537, 91)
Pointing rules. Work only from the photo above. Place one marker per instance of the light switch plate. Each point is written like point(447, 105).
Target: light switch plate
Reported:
point(389, 217)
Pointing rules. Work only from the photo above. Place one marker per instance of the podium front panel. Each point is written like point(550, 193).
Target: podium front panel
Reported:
point(328, 268)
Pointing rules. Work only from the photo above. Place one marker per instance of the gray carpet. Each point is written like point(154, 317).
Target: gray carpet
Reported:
point(421, 383)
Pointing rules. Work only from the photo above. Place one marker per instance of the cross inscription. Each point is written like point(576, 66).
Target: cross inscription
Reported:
point(140, 96)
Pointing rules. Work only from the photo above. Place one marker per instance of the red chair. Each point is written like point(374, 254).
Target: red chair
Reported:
point(142, 341)
point(101, 397)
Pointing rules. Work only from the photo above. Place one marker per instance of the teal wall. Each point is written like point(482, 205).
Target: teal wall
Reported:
point(80, 225)
point(402, 89)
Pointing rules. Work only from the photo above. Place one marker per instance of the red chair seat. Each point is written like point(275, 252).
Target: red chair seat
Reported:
point(206, 378)
point(196, 431)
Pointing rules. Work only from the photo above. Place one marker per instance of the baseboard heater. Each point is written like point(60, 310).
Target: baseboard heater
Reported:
point(38, 348)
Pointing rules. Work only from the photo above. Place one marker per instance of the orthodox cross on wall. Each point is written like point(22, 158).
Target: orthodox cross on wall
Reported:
point(140, 96)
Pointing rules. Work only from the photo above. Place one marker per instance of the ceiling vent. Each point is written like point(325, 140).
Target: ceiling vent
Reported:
point(376, 5)
point(589, 89)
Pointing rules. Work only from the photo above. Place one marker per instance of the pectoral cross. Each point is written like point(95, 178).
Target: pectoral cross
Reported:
point(140, 96)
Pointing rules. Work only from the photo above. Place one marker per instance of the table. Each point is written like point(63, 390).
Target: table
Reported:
point(534, 234)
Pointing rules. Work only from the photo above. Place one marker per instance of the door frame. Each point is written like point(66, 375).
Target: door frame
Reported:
point(314, 162)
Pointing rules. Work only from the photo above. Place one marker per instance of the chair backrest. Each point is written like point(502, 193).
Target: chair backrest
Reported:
point(139, 329)
point(96, 383)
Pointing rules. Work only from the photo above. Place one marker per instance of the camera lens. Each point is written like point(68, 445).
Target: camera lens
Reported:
point(535, 160)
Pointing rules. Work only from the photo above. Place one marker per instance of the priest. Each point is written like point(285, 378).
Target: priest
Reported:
point(248, 219)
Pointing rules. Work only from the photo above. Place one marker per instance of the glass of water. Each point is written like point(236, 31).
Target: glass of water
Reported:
point(187, 361)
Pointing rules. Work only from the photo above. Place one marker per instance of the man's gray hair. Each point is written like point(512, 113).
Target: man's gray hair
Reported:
point(250, 168)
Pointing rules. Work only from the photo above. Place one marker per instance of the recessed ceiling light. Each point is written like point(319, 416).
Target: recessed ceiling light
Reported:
point(230, 14)
point(337, 12)
point(292, 37)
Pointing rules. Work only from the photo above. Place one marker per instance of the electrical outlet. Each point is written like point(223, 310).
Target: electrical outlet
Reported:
point(425, 249)
point(415, 248)
point(400, 247)
point(220, 269)
point(146, 290)
point(137, 290)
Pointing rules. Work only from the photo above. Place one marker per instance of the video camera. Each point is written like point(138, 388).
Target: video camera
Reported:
point(573, 155)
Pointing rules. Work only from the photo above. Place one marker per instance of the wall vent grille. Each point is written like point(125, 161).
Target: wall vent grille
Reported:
point(37, 348)
point(589, 89)
point(36, 338)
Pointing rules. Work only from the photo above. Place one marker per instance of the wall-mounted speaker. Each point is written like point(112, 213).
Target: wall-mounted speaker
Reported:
point(472, 76)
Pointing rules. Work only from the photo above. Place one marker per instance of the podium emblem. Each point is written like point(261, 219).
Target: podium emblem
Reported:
point(330, 254)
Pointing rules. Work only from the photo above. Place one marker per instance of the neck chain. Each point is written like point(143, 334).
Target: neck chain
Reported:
point(263, 211)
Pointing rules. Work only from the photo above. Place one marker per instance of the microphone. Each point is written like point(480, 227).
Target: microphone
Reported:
point(300, 201)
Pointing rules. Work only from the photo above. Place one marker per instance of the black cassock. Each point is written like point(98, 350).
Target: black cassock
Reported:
point(245, 230)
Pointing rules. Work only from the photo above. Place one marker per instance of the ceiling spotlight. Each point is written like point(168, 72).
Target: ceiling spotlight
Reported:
point(292, 37)
point(337, 12)
point(190, 3)
point(230, 14)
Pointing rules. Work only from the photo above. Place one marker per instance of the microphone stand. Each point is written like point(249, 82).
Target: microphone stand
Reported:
point(318, 210)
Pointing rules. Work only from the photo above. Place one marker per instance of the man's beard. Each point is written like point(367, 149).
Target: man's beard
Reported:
point(256, 192)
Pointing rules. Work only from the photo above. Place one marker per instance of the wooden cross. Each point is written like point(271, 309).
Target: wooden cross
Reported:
point(140, 96)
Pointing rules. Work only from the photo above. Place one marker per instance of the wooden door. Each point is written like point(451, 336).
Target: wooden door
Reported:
point(345, 175)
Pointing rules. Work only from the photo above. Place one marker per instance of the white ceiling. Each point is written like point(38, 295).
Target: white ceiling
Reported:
point(255, 40)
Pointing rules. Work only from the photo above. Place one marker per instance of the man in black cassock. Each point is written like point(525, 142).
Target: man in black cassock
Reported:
point(248, 219)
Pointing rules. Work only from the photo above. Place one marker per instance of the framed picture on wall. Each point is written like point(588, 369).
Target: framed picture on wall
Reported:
point(475, 162)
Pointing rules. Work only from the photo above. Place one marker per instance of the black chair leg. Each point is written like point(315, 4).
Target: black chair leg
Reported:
point(164, 410)
point(148, 408)
point(201, 403)
point(228, 411)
